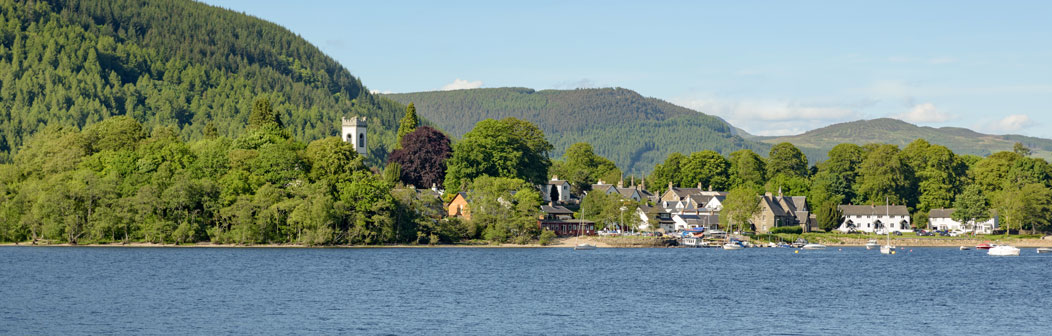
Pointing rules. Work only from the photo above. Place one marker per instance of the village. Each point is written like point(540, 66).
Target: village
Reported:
point(692, 215)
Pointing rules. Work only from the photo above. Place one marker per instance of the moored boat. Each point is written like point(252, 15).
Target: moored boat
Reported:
point(584, 246)
point(814, 246)
point(984, 246)
point(732, 246)
point(872, 244)
point(1003, 250)
point(1044, 250)
point(965, 248)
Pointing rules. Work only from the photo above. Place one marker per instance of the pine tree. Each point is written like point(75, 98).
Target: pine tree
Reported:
point(408, 123)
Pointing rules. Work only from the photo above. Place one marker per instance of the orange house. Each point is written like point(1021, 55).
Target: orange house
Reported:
point(458, 207)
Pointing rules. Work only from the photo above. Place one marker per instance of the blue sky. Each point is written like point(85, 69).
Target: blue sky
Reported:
point(769, 67)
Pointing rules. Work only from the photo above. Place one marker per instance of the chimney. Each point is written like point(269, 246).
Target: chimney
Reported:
point(555, 177)
point(768, 194)
point(669, 185)
point(699, 185)
point(621, 183)
point(779, 191)
point(633, 180)
point(643, 183)
point(710, 187)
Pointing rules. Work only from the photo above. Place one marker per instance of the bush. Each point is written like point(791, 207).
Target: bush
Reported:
point(787, 229)
point(546, 237)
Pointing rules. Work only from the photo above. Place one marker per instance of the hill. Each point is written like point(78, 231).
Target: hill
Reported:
point(635, 132)
point(169, 63)
point(816, 143)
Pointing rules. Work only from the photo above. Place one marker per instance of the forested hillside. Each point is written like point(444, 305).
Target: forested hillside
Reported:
point(169, 63)
point(816, 143)
point(635, 132)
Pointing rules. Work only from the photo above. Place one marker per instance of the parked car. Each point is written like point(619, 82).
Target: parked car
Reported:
point(898, 233)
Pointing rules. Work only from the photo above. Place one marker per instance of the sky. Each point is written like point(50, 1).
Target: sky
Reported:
point(768, 67)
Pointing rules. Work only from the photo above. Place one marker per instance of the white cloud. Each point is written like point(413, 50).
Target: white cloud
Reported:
point(767, 110)
point(924, 113)
point(773, 117)
point(461, 84)
point(583, 83)
point(1013, 123)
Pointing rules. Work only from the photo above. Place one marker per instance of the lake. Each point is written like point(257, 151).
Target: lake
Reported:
point(496, 291)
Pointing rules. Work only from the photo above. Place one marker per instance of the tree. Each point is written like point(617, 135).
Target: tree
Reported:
point(408, 123)
point(263, 115)
point(1020, 149)
point(505, 208)
point(829, 215)
point(747, 169)
point(786, 159)
point(510, 148)
point(739, 208)
point(883, 176)
point(332, 159)
point(971, 206)
point(1025, 207)
point(707, 168)
point(423, 157)
point(581, 167)
point(668, 171)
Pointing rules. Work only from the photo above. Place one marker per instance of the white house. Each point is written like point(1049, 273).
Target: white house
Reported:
point(556, 191)
point(940, 220)
point(687, 221)
point(873, 218)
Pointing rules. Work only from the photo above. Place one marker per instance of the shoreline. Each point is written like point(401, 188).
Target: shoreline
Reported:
point(570, 242)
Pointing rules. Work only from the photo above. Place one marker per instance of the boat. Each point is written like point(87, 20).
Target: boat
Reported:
point(1044, 250)
point(732, 246)
point(984, 246)
point(584, 246)
point(872, 244)
point(580, 228)
point(1003, 250)
point(887, 248)
point(965, 248)
point(814, 246)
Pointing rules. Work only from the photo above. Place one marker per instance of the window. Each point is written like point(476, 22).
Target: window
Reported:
point(361, 139)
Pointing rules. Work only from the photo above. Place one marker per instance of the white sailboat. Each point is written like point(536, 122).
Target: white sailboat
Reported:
point(887, 248)
point(580, 227)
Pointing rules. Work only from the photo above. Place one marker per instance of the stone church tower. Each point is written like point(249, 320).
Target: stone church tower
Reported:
point(353, 131)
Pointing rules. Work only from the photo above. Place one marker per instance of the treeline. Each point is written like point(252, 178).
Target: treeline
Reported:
point(118, 181)
point(175, 63)
point(635, 132)
point(922, 176)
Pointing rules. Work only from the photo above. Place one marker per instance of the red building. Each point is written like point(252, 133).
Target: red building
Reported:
point(560, 220)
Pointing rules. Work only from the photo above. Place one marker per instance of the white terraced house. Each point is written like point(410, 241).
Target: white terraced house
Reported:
point(875, 218)
point(940, 220)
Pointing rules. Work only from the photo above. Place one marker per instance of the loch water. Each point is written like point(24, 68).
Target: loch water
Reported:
point(528, 291)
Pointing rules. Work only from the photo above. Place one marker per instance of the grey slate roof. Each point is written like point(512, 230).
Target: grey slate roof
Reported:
point(556, 210)
point(874, 210)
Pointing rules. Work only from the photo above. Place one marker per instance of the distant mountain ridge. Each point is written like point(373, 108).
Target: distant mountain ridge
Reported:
point(634, 131)
point(816, 143)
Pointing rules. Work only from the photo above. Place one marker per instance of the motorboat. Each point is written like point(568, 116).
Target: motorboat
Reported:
point(1044, 250)
point(872, 244)
point(732, 246)
point(1003, 250)
point(965, 248)
point(814, 246)
point(984, 246)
